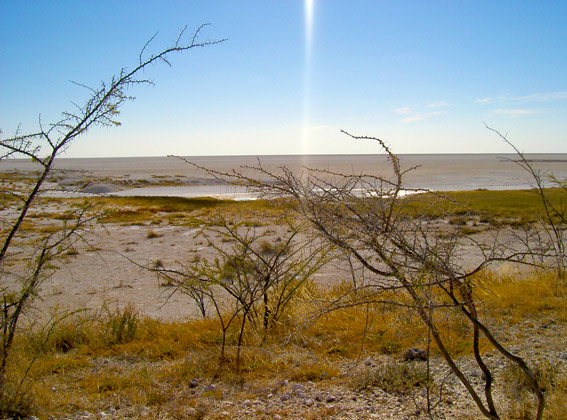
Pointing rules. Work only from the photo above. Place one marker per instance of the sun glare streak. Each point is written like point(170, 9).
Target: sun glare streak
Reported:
point(309, 7)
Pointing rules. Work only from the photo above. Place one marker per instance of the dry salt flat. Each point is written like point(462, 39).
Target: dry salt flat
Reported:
point(443, 172)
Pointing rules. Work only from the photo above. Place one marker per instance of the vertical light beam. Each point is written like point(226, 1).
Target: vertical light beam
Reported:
point(309, 7)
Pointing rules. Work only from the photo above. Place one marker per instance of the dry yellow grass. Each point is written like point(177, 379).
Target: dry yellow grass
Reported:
point(91, 361)
point(522, 295)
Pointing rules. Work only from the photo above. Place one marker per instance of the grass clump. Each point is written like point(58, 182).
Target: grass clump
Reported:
point(395, 377)
point(152, 235)
point(520, 295)
point(17, 405)
point(122, 325)
point(551, 378)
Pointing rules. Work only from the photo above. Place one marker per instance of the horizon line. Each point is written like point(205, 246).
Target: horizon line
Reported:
point(304, 154)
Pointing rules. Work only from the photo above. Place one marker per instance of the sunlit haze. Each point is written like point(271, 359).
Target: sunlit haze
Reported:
point(422, 75)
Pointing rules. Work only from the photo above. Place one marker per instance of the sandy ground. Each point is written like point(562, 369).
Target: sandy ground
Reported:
point(110, 269)
point(108, 272)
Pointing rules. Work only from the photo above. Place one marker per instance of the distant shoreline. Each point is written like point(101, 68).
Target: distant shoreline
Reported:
point(175, 177)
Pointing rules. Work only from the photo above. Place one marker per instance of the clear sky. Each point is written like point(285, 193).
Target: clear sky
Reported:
point(422, 75)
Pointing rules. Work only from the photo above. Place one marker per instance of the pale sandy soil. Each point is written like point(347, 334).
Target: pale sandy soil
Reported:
point(110, 267)
point(111, 270)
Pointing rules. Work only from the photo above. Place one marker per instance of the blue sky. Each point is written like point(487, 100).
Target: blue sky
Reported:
point(422, 75)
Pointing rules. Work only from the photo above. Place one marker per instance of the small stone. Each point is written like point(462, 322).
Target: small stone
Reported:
point(563, 356)
point(297, 388)
point(415, 354)
point(208, 388)
point(191, 412)
point(285, 396)
point(194, 383)
point(330, 399)
point(309, 402)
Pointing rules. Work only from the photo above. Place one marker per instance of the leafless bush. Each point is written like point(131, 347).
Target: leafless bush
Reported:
point(251, 279)
point(554, 221)
point(403, 256)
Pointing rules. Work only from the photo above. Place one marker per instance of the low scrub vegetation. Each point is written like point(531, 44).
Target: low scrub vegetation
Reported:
point(90, 361)
point(495, 208)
